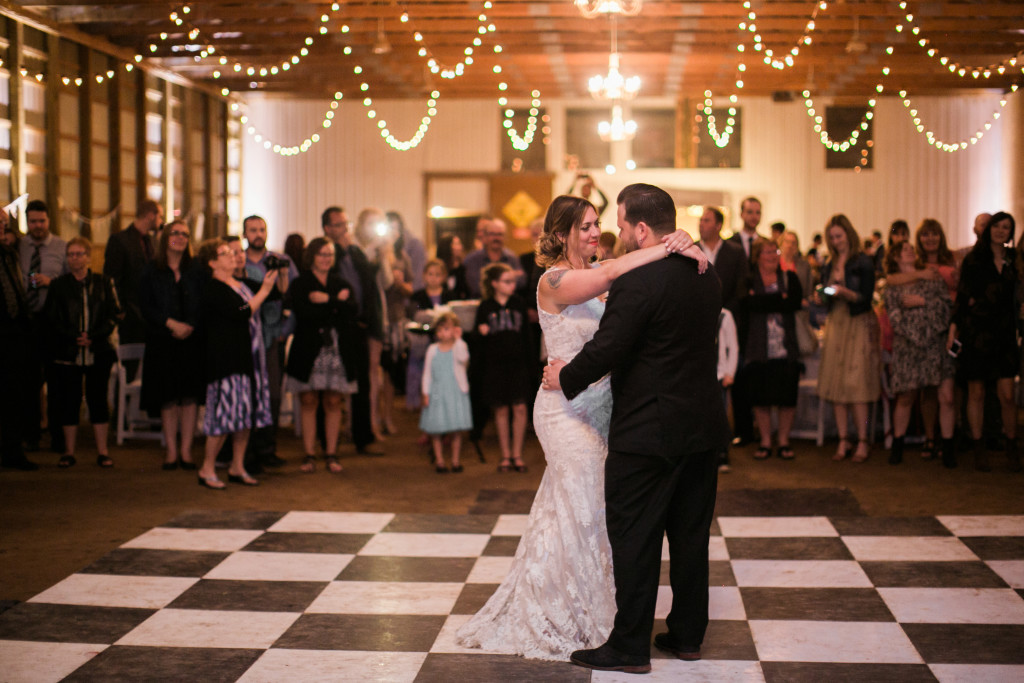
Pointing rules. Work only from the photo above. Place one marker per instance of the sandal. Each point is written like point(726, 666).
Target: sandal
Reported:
point(103, 460)
point(505, 466)
point(308, 465)
point(860, 456)
point(519, 465)
point(763, 453)
point(786, 452)
point(441, 468)
point(333, 466)
point(928, 450)
point(843, 453)
point(66, 461)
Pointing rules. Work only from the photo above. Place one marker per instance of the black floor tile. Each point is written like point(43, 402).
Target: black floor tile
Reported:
point(814, 672)
point(389, 633)
point(171, 664)
point(502, 502)
point(815, 604)
point(796, 548)
point(724, 640)
point(441, 524)
point(252, 596)
point(968, 643)
point(145, 562)
point(290, 542)
point(40, 621)
point(445, 668)
point(501, 546)
point(473, 597)
point(225, 519)
point(932, 575)
point(433, 569)
point(720, 573)
point(788, 502)
point(996, 547)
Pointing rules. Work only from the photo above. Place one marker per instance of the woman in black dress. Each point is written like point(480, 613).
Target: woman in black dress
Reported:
point(322, 362)
point(985, 325)
point(451, 253)
point(172, 369)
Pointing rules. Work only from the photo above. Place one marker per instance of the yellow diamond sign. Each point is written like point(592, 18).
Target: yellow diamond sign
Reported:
point(521, 209)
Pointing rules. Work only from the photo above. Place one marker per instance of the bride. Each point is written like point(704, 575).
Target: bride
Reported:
point(559, 594)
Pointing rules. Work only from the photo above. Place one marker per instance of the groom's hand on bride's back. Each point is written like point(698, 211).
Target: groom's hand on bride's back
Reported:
point(551, 372)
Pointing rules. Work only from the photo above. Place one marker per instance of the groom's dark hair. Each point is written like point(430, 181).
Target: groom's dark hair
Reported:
point(649, 204)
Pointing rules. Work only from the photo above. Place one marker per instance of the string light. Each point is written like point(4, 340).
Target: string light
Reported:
point(433, 63)
point(749, 24)
point(287, 150)
point(521, 143)
point(961, 144)
point(961, 70)
point(417, 138)
point(98, 77)
point(721, 139)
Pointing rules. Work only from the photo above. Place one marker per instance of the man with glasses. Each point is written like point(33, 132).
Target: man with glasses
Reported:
point(493, 251)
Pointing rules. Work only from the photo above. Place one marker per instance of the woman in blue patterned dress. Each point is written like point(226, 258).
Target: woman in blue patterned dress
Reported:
point(237, 391)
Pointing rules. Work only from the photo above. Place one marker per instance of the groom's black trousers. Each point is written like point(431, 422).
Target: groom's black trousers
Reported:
point(646, 498)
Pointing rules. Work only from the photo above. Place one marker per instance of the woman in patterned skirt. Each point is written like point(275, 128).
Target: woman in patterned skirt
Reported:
point(237, 391)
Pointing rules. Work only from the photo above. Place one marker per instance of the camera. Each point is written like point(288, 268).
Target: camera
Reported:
point(955, 348)
point(829, 291)
point(275, 262)
point(382, 229)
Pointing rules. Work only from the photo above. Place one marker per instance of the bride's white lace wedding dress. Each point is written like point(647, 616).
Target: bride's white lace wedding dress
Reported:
point(559, 594)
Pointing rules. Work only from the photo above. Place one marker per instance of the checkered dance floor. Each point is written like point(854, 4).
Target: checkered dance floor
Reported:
point(304, 596)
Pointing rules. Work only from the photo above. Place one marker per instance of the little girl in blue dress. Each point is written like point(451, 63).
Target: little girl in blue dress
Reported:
point(445, 388)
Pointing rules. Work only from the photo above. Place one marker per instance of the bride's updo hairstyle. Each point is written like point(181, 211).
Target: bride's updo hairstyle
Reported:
point(562, 220)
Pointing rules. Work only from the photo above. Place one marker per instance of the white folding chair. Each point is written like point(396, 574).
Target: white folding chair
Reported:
point(131, 421)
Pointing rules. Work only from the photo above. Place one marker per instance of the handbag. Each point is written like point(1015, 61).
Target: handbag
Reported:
point(806, 339)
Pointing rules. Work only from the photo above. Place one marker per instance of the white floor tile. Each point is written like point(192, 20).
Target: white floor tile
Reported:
point(106, 590)
point(954, 605)
point(383, 597)
point(426, 545)
point(775, 527)
point(331, 666)
point(832, 641)
point(510, 525)
point(909, 548)
point(333, 522)
point(675, 670)
point(724, 603)
point(207, 628)
point(249, 566)
point(984, 525)
point(218, 540)
point(32, 662)
point(446, 642)
point(800, 573)
point(1011, 571)
point(973, 673)
point(717, 549)
point(490, 570)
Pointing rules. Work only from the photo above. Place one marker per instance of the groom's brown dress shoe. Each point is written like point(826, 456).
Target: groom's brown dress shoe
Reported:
point(664, 642)
point(605, 658)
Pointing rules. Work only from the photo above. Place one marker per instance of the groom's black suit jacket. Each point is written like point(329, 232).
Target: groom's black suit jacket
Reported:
point(657, 337)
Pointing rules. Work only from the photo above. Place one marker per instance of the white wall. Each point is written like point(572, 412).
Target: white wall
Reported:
point(783, 164)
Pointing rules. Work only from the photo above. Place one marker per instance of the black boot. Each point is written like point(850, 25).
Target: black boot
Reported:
point(1013, 455)
point(948, 453)
point(896, 451)
point(981, 456)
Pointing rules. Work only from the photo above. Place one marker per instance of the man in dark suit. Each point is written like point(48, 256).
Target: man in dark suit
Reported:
point(352, 264)
point(750, 214)
point(742, 413)
point(657, 338)
point(125, 258)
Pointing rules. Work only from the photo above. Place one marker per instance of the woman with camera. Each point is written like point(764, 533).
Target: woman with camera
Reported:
point(919, 314)
point(849, 373)
point(984, 332)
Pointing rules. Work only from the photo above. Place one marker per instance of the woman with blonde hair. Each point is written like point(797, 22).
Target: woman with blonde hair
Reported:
point(849, 373)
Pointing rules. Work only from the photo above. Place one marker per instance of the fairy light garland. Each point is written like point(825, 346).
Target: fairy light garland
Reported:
point(287, 150)
point(961, 144)
point(433, 63)
point(750, 25)
point(521, 143)
point(853, 137)
point(721, 139)
point(961, 70)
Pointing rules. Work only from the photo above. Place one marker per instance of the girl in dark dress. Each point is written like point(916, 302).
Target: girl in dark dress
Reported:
point(237, 392)
point(507, 373)
point(985, 324)
point(172, 370)
point(451, 253)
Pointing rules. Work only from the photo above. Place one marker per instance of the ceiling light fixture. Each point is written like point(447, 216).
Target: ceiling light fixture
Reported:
point(617, 129)
point(596, 8)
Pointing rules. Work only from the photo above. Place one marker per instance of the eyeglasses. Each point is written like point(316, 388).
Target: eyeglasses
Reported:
point(179, 233)
point(77, 254)
point(224, 252)
point(325, 253)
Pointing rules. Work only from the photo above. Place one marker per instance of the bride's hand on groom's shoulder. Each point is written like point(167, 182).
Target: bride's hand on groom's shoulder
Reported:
point(680, 242)
point(551, 372)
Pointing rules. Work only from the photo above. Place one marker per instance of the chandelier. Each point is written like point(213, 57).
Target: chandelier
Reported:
point(594, 8)
point(617, 129)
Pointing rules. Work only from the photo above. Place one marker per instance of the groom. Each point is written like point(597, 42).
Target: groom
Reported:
point(657, 338)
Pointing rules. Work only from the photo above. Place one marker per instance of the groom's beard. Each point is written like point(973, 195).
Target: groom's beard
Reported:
point(629, 242)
